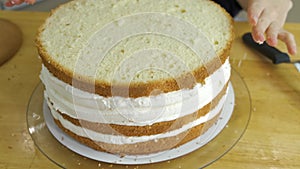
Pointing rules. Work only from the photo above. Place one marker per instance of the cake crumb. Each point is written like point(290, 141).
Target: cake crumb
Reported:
point(99, 164)
point(169, 161)
point(254, 109)
point(240, 63)
point(179, 166)
point(36, 116)
point(245, 56)
point(110, 166)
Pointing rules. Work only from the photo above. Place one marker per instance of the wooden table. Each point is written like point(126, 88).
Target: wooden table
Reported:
point(272, 139)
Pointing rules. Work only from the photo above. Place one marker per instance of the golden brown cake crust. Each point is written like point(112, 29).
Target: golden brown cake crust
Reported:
point(135, 89)
point(147, 147)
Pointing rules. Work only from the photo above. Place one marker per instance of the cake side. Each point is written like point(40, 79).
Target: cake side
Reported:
point(123, 136)
point(114, 143)
point(55, 62)
point(150, 129)
point(140, 111)
point(144, 148)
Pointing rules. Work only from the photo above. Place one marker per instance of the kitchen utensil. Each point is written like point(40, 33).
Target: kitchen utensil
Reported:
point(275, 55)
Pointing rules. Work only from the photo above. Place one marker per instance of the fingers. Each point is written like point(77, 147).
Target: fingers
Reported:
point(267, 19)
point(272, 34)
point(264, 23)
point(268, 23)
point(260, 20)
point(289, 40)
point(254, 13)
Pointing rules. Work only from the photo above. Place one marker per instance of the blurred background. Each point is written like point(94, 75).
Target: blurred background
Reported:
point(47, 5)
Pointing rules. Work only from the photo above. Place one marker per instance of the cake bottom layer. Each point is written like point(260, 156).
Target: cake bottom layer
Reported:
point(147, 147)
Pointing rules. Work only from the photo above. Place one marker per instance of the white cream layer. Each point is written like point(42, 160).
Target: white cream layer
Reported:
point(140, 111)
point(121, 139)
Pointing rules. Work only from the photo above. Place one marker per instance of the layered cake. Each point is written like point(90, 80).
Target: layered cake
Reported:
point(135, 77)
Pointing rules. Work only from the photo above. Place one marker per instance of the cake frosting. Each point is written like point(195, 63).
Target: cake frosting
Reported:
point(133, 111)
point(60, 97)
point(121, 139)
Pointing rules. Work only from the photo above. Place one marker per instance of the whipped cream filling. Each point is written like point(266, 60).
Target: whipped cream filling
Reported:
point(140, 111)
point(121, 139)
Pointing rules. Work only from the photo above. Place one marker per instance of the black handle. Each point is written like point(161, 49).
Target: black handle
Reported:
point(272, 53)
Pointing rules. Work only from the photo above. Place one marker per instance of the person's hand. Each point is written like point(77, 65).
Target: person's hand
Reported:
point(267, 19)
point(11, 3)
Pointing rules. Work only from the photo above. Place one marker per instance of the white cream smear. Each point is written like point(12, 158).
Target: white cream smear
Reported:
point(140, 111)
point(121, 139)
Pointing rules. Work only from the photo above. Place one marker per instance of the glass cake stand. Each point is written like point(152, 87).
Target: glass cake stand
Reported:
point(51, 141)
